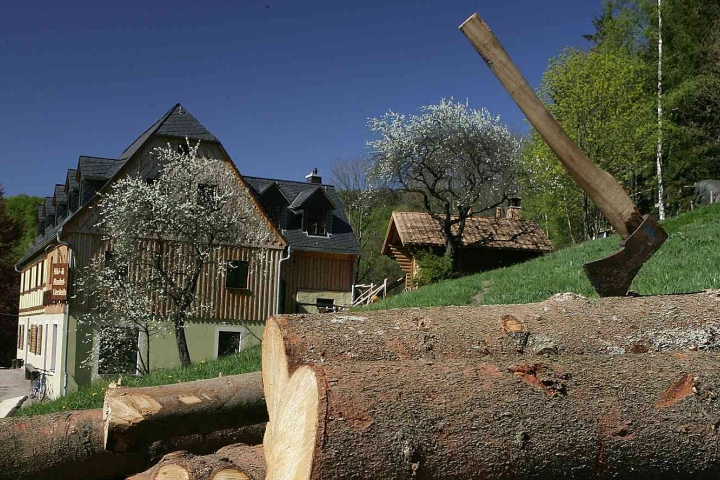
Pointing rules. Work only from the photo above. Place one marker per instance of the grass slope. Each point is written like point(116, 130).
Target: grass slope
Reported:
point(689, 261)
point(92, 397)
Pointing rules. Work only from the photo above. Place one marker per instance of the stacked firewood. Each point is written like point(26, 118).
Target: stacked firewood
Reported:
point(566, 388)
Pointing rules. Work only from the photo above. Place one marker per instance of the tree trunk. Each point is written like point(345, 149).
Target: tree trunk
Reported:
point(181, 341)
point(563, 324)
point(137, 417)
point(70, 445)
point(577, 417)
point(235, 462)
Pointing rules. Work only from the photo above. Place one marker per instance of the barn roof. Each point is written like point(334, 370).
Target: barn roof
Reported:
point(418, 229)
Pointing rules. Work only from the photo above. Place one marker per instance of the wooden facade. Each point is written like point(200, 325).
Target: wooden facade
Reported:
point(315, 271)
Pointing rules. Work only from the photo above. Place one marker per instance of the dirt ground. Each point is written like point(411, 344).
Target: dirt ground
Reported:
point(13, 383)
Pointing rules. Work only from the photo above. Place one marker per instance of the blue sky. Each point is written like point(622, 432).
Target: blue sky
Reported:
point(285, 85)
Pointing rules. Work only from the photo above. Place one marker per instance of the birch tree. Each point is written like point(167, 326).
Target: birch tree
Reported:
point(164, 236)
point(459, 160)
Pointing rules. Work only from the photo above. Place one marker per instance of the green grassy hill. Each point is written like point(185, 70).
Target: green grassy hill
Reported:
point(689, 261)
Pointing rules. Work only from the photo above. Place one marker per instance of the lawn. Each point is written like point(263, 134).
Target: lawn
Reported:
point(689, 261)
point(92, 396)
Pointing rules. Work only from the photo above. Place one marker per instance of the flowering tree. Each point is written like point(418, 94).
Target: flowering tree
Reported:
point(164, 235)
point(460, 161)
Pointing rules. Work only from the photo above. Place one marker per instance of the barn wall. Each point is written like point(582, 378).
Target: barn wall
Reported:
point(316, 271)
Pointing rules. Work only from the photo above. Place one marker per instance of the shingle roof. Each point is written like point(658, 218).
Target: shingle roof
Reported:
point(71, 178)
point(97, 168)
point(421, 229)
point(177, 122)
point(304, 195)
point(341, 240)
point(60, 194)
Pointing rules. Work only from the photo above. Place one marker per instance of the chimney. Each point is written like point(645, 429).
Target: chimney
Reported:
point(314, 177)
point(498, 212)
point(514, 210)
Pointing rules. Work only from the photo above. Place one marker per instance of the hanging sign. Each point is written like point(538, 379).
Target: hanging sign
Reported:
point(60, 275)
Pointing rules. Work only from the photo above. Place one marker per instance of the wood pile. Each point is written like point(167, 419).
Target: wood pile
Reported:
point(566, 388)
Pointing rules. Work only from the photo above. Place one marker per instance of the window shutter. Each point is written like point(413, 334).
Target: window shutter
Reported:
point(33, 338)
point(39, 340)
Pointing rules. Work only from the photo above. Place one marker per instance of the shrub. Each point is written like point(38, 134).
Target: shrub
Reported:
point(433, 268)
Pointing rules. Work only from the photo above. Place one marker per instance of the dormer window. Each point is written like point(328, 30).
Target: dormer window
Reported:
point(316, 222)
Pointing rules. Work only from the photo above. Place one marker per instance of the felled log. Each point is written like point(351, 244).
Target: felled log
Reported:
point(136, 417)
point(234, 462)
point(563, 324)
point(574, 417)
point(70, 445)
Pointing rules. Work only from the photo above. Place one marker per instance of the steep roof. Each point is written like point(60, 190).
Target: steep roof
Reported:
point(177, 122)
point(71, 178)
point(313, 192)
point(60, 194)
point(419, 229)
point(98, 168)
point(341, 239)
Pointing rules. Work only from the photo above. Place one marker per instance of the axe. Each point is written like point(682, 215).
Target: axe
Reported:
point(641, 234)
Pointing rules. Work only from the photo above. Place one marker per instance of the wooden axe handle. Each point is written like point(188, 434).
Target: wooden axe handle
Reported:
point(599, 185)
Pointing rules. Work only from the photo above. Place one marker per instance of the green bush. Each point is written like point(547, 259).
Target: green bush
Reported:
point(433, 268)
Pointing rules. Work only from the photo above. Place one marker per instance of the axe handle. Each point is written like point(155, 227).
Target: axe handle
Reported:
point(599, 185)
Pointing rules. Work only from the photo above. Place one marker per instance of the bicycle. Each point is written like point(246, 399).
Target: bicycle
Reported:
point(38, 387)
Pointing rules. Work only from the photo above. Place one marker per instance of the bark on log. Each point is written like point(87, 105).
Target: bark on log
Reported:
point(70, 445)
point(636, 417)
point(136, 417)
point(565, 323)
point(234, 462)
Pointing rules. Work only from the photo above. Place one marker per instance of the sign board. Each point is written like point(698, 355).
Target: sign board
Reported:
point(59, 286)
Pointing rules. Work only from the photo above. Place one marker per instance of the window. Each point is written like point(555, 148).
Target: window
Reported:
point(315, 222)
point(228, 342)
point(206, 194)
point(325, 305)
point(236, 275)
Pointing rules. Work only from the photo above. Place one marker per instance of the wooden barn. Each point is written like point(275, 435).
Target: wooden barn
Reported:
point(487, 242)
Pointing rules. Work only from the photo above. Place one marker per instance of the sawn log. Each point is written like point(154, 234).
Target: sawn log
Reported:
point(136, 417)
point(563, 324)
point(70, 445)
point(234, 462)
point(637, 417)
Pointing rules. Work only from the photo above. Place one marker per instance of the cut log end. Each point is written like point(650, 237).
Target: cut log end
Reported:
point(172, 472)
point(290, 455)
point(275, 369)
point(230, 474)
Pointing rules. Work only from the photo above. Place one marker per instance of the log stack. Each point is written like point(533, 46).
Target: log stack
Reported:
point(567, 388)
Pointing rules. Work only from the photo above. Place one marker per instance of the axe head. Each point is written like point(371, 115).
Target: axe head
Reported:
point(613, 275)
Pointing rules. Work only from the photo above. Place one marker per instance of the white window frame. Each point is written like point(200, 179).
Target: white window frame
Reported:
point(242, 331)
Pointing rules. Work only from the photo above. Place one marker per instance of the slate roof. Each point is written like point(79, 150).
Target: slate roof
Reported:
point(304, 195)
point(97, 168)
point(419, 229)
point(72, 178)
point(60, 194)
point(341, 239)
point(177, 122)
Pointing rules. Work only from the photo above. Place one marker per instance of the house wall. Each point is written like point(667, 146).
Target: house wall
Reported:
point(53, 326)
point(202, 340)
point(321, 272)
